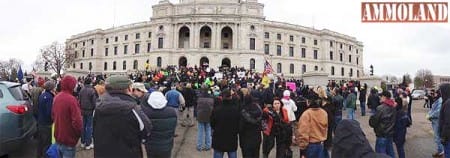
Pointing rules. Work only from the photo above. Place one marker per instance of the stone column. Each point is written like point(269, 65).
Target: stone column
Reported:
point(235, 36)
point(192, 36)
point(213, 43)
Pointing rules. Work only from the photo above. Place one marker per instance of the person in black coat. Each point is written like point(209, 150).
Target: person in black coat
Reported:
point(225, 124)
point(362, 99)
point(250, 128)
point(444, 119)
point(373, 101)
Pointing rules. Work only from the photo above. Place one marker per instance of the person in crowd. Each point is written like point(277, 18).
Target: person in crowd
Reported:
point(141, 94)
point(250, 127)
point(276, 129)
point(289, 105)
point(373, 101)
point(119, 123)
point(444, 118)
point(383, 123)
point(100, 88)
point(44, 122)
point(312, 128)
point(433, 116)
point(87, 97)
point(351, 142)
point(35, 93)
point(66, 115)
point(401, 125)
point(164, 121)
point(225, 124)
point(205, 105)
point(191, 101)
point(175, 99)
point(362, 99)
point(350, 104)
point(427, 96)
point(327, 105)
point(338, 102)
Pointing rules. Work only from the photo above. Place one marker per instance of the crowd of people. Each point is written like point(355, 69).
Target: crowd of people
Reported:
point(118, 114)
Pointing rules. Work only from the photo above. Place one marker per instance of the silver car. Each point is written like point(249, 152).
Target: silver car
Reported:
point(17, 124)
point(418, 94)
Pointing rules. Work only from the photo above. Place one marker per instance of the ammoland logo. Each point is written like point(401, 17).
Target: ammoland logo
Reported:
point(410, 12)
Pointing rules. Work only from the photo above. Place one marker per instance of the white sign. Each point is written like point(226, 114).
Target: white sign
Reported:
point(241, 74)
point(218, 75)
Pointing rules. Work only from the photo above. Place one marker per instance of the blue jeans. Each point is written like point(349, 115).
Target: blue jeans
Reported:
point(363, 108)
point(447, 149)
point(351, 113)
point(337, 118)
point(437, 138)
point(203, 136)
point(384, 146)
point(315, 150)
point(66, 151)
point(86, 133)
point(400, 149)
point(219, 154)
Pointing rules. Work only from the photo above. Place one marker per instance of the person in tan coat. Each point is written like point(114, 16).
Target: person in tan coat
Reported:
point(312, 128)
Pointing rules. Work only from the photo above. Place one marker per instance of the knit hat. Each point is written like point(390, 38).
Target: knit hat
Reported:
point(286, 93)
point(157, 100)
point(49, 85)
point(117, 82)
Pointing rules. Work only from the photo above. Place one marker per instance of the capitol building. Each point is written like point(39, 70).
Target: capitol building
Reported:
point(215, 33)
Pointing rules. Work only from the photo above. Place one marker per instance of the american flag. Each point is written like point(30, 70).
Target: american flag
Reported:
point(267, 67)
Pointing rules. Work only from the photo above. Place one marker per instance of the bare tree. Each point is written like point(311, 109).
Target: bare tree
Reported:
point(8, 68)
point(55, 57)
point(407, 79)
point(424, 78)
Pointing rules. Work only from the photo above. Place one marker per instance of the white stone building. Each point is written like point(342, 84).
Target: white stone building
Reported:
point(216, 32)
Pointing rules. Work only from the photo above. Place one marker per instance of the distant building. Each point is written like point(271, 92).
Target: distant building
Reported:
point(216, 33)
point(438, 80)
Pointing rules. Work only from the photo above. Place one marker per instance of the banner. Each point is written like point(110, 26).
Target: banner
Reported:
point(291, 86)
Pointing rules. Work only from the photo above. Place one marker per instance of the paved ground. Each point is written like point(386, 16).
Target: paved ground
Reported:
point(419, 141)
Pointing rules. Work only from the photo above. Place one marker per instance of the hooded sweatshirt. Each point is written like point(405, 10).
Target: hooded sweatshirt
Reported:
point(444, 119)
point(66, 114)
point(289, 105)
point(383, 121)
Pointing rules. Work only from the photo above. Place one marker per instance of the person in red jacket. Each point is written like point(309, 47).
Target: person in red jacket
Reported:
point(66, 115)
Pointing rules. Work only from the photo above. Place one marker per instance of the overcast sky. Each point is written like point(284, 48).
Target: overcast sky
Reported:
point(395, 49)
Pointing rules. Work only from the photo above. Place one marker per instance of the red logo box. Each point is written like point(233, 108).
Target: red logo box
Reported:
point(404, 12)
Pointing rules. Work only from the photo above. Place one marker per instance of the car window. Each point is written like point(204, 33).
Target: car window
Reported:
point(1, 94)
point(17, 93)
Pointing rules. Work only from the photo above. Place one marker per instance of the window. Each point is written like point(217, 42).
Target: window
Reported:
point(125, 49)
point(76, 54)
point(138, 35)
point(226, 46)
point(291, 38)
point(350, 58)
point(115, 50)
point(351, 72)
point(106, 52)
point(92, 42)
point(107, 40)
point(206, 45)
point(331, 43)
point(124, 65)
point(291, 51)
point(252, 43)
point(18, 93)
point(316, 68)
point(252, 64)
point(332, 70)
point(149, 34)
point(73, 65)
point(342, 71)
point(161, 28)
point(331, 55)
point(291, 69)
point(303, 52)
point(279, 36)
point(81, 66)
point(315, 42)
point(83, 53)
point(206, 34)
point(105, 66)
point(92, 52)
point(316, 54)
point(303, 40)
point(149, 46)
point(252, 27)
point(137, 48)
point(159, 62)
point(266, 49)
point(126, 37)
point(357, 60)
point(357, 51)
point(341, 45)
point(160, 42)
point(116, 39)
point(357, 73)
point(350, 47)
point(114, 65)
point(278, 50)
point(279, 68)
point(341, 57)
point(76, 45)
point(266, 35)
point(84, 43)
point(135, 65)
point(90, 66)
point(225, 35)
point(303, 68)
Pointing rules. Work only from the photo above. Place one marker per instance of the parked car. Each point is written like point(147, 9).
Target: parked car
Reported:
point(17, 124)
point(418, 94)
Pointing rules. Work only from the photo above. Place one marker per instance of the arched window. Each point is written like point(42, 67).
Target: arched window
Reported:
point(227, 38)
point(303, 68)
point(316, 68)
point(183, 37)
point(124, 65)
point(252, 64)
point(135, 65)
point(114, 65)
point(279, 68)
point(332, 70)
point(205, 37)
point(291, 69)
point(159, 62)
point(105, 66)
